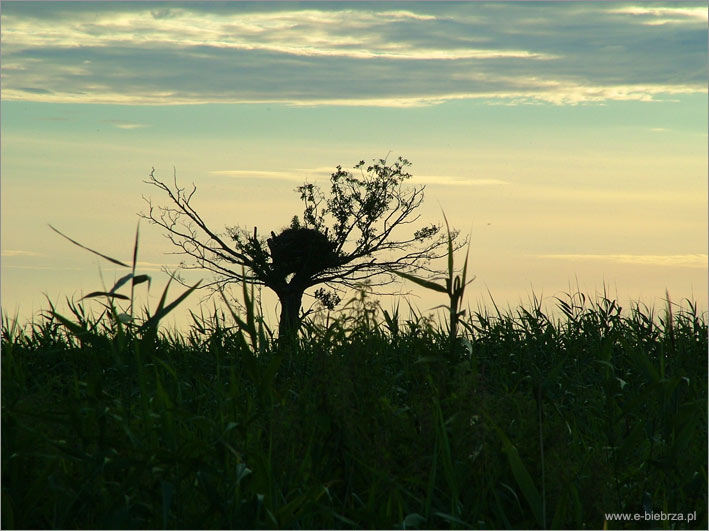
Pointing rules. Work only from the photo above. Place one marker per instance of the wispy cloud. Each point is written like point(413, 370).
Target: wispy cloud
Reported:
point(350, 53)
point(443, 180)
point(284, 175)
point(41, 268)
point(142, 267)
point(673, 260)
point(120, 124)
point(6, 253)
point(310, 33)
point(581, 195)
point(657, 16)
point(153, 266)
point(323, 174)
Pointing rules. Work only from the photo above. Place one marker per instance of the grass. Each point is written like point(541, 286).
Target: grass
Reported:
point(365, 422)
point(368, 420)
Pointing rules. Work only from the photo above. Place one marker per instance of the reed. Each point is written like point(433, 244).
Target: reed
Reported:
point(111, 423)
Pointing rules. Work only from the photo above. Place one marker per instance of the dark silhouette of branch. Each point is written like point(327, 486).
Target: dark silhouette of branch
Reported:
point(351, 235)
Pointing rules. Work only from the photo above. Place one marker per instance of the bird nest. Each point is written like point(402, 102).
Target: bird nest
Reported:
point(301, 250)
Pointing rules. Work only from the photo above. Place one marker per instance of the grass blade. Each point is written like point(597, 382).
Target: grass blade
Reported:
point(105, 294)
point(113, 260)
point(163, 311)
point(121, 281)
point(139, 279)
point(523, 477)
point(422, 282)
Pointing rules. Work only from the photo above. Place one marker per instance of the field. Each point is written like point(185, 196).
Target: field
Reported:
point(367, 420)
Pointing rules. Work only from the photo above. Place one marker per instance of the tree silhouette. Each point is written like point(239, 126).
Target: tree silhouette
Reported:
point(348, 236)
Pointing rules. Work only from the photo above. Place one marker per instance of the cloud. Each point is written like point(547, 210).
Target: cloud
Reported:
point(296, 174)
point(142, 267)
point(254, 174)
point(443, 180)
point(323, 173)
point(688, 196)
point(40, 268)
point(657, 16)
point(154, 266)
point(35, 90)
point(120, 124)
point(6, 253)
point(350, 53)
point(309, 33)
point(671, 260)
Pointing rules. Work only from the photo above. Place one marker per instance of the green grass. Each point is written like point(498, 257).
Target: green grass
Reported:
point(367, 421)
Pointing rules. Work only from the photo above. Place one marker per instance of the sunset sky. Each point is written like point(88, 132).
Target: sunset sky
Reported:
point(568, 139)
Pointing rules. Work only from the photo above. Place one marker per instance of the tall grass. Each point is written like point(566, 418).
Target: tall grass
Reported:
point(368, 420)
point(361, 423)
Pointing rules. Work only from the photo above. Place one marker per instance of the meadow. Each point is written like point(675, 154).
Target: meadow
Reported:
point(366, 420)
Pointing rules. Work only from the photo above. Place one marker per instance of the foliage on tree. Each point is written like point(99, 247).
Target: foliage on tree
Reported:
point(352, 234)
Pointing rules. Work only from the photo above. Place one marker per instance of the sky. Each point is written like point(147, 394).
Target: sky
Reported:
point(568, 140)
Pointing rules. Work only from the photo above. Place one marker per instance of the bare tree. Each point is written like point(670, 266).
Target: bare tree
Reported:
point(351, 235)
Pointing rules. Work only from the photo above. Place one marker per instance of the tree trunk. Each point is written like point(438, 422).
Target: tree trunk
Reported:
point(290, 308)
